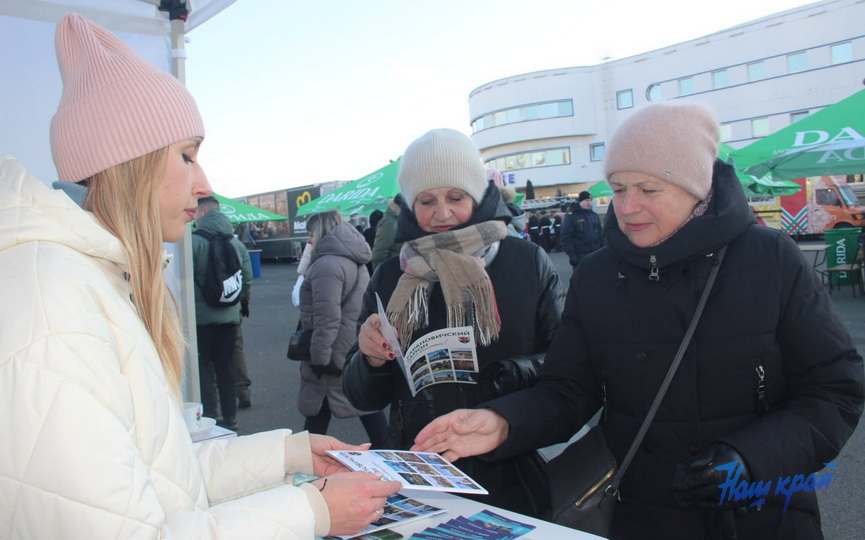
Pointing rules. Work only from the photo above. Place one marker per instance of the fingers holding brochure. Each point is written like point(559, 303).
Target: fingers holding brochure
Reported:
point(354, 499)
point(373, 343)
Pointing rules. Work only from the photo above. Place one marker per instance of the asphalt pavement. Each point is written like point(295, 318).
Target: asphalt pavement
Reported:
point(276, 383)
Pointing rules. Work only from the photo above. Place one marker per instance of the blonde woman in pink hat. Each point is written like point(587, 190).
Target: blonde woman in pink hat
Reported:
point(769, 387)
point(91, 356)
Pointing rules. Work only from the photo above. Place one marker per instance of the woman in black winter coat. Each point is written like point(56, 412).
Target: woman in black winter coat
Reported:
point(771, 379)
point(457, 268)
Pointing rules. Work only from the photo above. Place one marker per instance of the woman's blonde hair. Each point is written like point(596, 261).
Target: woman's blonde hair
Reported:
point(319, 225)
point(125, 200)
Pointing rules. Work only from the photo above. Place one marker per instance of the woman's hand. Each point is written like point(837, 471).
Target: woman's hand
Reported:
point(323, 464)
point(462, 433)
point(354, 499)
point(372, 342)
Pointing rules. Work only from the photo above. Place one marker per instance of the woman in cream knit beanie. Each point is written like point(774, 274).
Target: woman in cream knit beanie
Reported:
point(458, 268)
point(442, 158)
point(91, 359)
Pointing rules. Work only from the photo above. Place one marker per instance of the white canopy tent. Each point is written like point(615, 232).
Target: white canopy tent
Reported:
point(30, 90)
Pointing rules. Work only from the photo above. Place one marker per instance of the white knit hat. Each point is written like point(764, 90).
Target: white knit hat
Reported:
point(115, 105)
point(674, 142)
point(442, 158)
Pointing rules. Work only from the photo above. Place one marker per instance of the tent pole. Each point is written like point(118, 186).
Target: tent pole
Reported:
point(186, 294)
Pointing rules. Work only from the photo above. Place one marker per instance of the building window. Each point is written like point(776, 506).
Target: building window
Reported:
point(797, 62)
point(726, 132)
point(756, 71)
point(624, 99)
point(527, 160)
point(686, 86)
point(842, 52)
point(524, 113)
point(654, 93)
point(759, 127)
point(720, 79)
point(596, 152)
point(798, 115)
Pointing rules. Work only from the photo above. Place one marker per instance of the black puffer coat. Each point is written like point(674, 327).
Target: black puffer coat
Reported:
point(768, 311)
point(529, 298)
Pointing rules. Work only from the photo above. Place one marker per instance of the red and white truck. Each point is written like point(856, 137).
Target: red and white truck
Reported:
point(823, 203)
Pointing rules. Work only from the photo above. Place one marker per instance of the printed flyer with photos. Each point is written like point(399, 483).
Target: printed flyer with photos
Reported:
point(444, 356)
point(398, 510)
point(416, 470)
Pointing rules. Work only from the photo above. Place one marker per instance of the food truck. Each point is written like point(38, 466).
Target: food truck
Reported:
point(823, 203)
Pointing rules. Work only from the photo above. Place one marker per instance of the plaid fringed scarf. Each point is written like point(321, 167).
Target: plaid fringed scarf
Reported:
point(456, 259)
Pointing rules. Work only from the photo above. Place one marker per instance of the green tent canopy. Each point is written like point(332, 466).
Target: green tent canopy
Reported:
point(239, 212)
point(758, 187)
point(828, 142)
point(362, 196)
point(601, 189)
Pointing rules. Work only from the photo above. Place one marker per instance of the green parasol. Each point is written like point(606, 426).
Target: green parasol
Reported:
point(362, 196)
point(601, 189)
point(239, 212)
point(827, 142)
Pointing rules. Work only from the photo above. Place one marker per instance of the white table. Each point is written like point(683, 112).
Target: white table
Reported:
point(460, 506)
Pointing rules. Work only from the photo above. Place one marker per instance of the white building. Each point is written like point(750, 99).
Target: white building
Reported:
point(550, 126)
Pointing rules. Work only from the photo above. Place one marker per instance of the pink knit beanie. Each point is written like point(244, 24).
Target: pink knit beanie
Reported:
point(442, 158)
point(676, 143)
point(115, 105)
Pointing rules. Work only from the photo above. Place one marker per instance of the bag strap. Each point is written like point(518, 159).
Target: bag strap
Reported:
point(348, 295)
point(613, 487)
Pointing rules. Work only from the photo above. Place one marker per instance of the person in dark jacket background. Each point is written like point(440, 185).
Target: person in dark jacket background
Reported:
point(771, 379)
point(330, 298)
point(216, 327)
point(458, 267)
point(581, 231)
point(384, 245)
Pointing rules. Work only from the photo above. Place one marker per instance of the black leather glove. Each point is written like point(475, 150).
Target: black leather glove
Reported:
point(244, 309)
point(329, 369)
point(697, 483)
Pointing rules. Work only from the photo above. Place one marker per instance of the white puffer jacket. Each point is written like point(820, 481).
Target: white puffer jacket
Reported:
point(93, 444)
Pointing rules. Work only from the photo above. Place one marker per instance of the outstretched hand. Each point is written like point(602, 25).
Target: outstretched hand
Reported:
point(462, 433)
point(355, 499)
point(323, 464)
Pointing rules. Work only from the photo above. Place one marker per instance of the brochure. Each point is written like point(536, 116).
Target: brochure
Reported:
point(444, 356)
point(416, 470)
point(398, 510)
point(484, 525)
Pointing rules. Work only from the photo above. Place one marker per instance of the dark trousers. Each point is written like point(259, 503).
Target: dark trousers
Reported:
point(375, 425)
point(215, 348)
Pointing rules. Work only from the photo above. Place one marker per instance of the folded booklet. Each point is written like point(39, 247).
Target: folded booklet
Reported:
point(443, 356)
point(416, 470)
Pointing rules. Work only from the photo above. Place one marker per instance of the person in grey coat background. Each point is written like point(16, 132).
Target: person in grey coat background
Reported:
point(330, 299)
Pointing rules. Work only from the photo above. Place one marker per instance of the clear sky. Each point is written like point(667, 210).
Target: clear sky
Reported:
point(298, 92)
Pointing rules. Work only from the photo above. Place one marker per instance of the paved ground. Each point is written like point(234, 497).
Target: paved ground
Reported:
point(275, 386)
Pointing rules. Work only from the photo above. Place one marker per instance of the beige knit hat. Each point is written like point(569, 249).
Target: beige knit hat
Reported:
point(442, 158)
point(115, 105)
point(677, 143)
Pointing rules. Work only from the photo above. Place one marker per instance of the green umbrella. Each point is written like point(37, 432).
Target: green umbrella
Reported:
point(601, 189)
point(827, 142)
point(239, 212)
point(758, 187)
point(362, 196)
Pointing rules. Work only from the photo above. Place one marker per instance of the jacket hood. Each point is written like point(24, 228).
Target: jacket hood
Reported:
point(30, 212)
point(491, 207)
point(344, 241)
point(216, 223)
point(727, 216)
